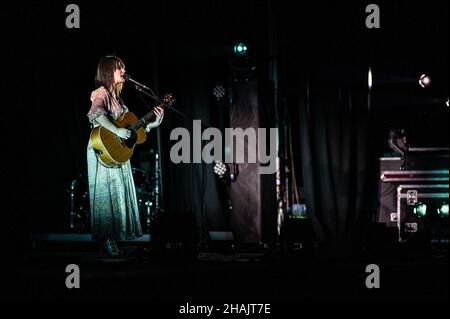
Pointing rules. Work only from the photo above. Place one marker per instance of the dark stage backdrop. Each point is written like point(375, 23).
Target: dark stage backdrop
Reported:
point(182, 47)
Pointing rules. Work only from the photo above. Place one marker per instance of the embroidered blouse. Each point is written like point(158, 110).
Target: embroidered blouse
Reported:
point(105, 103)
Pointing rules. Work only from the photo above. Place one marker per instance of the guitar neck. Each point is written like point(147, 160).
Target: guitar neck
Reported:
point(168, 100)
point(143, 121)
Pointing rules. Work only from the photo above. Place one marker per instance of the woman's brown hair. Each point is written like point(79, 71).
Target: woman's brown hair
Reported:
point(105, 73)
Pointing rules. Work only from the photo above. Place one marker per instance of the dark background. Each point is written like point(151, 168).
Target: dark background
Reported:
point(184, 48)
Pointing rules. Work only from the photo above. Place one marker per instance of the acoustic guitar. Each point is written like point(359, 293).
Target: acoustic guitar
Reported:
point(112, 150)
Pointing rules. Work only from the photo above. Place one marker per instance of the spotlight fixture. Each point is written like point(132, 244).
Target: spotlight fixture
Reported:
point(226, 172)
point(220, 169)
point(240, 49)
point(443, 210)
point(420, 210)
point(424, 81)
point(219, 91)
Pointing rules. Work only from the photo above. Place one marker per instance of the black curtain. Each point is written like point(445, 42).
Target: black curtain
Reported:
point(333, 128)
point(323, 76)
point(192, 203)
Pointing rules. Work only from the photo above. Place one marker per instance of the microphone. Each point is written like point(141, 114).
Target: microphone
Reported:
point(138, 85)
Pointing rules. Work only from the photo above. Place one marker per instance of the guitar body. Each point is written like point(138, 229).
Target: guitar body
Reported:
point(112, 150)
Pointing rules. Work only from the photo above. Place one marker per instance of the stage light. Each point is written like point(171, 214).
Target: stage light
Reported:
point(446, 101)
point(234, 172)
point(219, 91)
point(443, 210)
point(240, 49)
point(424, 81)
point(220, 169)
point(420, 210)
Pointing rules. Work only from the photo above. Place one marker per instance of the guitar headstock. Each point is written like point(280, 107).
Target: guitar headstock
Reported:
point(168, 99)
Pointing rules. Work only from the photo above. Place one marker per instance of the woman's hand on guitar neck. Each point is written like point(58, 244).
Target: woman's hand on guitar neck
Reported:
point(123, 133)
point(159, 112)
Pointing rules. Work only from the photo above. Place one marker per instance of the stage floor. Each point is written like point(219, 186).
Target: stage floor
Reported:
point(177, 273)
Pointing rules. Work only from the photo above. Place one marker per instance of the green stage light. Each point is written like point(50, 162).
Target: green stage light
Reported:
point(443, 210)
point(240, 49)
point(420, 209)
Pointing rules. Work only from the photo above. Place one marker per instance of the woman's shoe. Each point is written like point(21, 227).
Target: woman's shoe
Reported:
point(120, 252)
point(110, 248)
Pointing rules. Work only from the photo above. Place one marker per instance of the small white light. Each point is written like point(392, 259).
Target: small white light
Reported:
point(424, 80)
point(369, 78)
point(220, 169)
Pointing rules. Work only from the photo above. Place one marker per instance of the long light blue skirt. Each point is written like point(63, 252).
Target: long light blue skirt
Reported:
point(114, 206)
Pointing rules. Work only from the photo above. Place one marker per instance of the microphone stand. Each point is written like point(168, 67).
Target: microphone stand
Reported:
point(141, 88)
